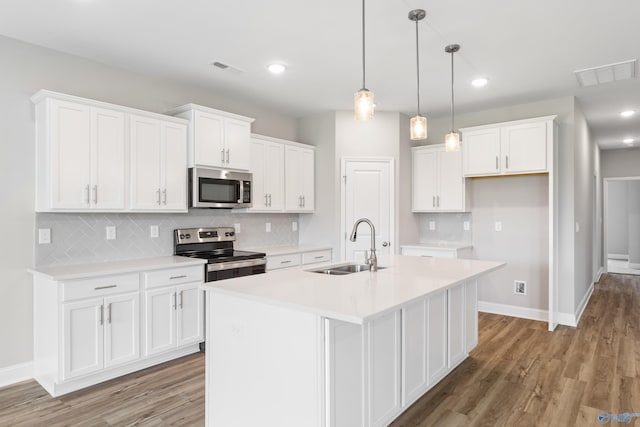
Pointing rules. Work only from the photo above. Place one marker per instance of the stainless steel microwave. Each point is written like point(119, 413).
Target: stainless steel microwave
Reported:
point(219, 188)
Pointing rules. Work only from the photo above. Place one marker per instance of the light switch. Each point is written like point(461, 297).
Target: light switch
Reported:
point(110, 232)
point(432, 225)
point(267, 227)
point(577, 227)
point(154, 231)
point(44, 236)
point(498, 225)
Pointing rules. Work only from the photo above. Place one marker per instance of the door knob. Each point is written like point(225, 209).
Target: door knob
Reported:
point(385, 244)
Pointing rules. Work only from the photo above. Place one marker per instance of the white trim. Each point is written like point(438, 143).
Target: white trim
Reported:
point(567, 319)
point(623, 257)
point(16, 373)
point(600, 273)
point(513, 311)
point(583, 304)
point(510, 123)
point(572, 320)
point(282, 141)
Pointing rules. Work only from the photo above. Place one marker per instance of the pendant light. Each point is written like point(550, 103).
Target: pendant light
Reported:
point(418, 124)
point(452, 139)
point(364, 97)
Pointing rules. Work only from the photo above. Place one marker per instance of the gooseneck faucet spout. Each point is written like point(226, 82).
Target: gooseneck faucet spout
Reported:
point(371, 259)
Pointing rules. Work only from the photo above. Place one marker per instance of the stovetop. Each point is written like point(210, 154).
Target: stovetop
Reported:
point(234, 255)
point(215, 244)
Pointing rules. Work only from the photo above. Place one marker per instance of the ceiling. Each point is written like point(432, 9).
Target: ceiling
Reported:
point(528, 50)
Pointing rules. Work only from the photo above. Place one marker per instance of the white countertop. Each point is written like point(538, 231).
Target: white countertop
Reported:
point(80, 271)
point(286, 250)
point(439, 246)
point(358, 296)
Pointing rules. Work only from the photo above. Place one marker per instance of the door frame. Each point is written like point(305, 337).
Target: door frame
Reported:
point(343, 208)
point(605, 216)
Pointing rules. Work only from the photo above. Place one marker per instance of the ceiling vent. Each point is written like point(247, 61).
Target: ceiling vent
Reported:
point(227, 67)
point(607, 73)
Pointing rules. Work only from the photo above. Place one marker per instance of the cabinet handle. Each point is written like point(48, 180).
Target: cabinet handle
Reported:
point(285, 262)
point(101, 315)
point(105, 287)
point(227, 156)
point(304, 201)
point(222, 154)
point(174, 300)
point(437, 201)
point(109, 313)
point(164, 196)
point(95, 194)
point(86, 194)
point(269, 199)
point(433, 202)
point(180, 299)
point(318, 257)
point(496, 162)
point(158, 196)
point(385, 244)
point(266, 202)
point(182, 276)
point(299, 201)
point(507, 161)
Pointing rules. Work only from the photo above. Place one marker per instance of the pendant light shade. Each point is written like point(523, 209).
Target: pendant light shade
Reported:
point(452, 139)
point(418, 125)
point(363, 99)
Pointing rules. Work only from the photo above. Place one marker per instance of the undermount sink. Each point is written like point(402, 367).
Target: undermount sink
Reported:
point(343, 269)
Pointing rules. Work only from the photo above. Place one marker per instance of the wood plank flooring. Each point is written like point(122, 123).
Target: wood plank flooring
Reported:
point(519, 375)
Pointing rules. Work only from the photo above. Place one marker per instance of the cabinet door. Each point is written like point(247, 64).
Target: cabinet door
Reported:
point(481, 152)
point(292, 182)
point(174, 167)
point(384, 378)
point(471, 315)
point(122, 329)
point(107, 160)
point(70, 155)
point(451, 182)
point(525, 148)
point(457, 350)
point(160, 320)
point(259, 164)
point(414, 351)
point(307, 179)
point(208, 140)
point(190, 319)
point(425, 180)
point(274, 176)
point(82, 345)
point(237, 141)
point(437, 336)
point(146, 147)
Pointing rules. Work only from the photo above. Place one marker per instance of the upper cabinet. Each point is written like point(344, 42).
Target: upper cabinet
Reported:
point(83, 155)
point(299, 179)
point(519, 147)
point(438, 184)
point(216, 138)
point(267, 167)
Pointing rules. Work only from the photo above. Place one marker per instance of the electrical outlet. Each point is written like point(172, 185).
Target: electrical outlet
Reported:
point(432, 225)
point(520, 287)
point(44, 236)
point(267, 227)
point(466, 225)
point(154, 231)
point(577, 227)
point(110, 232)
point(236, 226)
point(498, 225)
point(294, 226)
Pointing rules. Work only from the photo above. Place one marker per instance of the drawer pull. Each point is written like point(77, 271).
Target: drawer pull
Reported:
point(285, 262)
point(427, 256)
point(182, 276)
point(318, 257)
point(105, 287)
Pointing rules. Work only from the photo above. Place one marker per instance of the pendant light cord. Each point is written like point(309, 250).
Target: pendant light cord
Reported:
point(452, 128)
point(363, 46)
point(417, 68)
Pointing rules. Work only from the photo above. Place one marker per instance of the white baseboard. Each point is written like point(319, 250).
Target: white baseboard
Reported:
point(623, 257)
point(634, 265)
point(513, 311)
point(572, 320)
point(16, 373)
point(599, 274)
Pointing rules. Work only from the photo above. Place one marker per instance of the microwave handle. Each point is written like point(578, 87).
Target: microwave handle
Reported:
point(240, 188)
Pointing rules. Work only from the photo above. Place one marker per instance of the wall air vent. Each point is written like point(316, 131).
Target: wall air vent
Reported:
point(227, 67)
point(624, 70)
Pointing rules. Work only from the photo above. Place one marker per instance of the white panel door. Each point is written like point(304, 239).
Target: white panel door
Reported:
point(259, 164)
point(146, 148)
point(525, 147)
point(307, 179)
point(437, 336)
point(425, 179)
point(208, 140)
point(190, 319)
point(237, 140)
point(451, 182)
point(414, 351)
point(122, 329)
point(274, 175)
point(368, 194)
point(292, 181)
point(457, 350)
point(70, 155)
point(82, 337)
point(471, 315)
point(481, 152)
point(108, 184)
point(160, 320)
point(174, 167)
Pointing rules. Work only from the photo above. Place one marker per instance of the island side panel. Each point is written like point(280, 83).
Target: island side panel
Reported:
point(264, 363)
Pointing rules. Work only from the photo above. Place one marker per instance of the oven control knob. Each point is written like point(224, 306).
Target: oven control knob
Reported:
point(182, 236)
point(187, 236)
point(231, 233)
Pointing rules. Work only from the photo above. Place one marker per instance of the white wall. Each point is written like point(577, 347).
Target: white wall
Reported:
point(620, 163)
point(617, 218)
point(25, 70)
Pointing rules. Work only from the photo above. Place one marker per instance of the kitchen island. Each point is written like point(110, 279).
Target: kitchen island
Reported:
point(297, 348)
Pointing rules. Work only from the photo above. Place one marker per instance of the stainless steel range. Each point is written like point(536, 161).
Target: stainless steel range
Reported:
point(215, 244)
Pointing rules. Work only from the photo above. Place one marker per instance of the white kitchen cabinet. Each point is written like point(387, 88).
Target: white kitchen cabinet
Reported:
point(523, 146)
point(296, 256)
point(456, 308)
point(216, 138)
point(436, 336)
point(299, 179)
point(267, 167)
point(437, 183)
point(471, 314)
point(415, 380)
point(80, 156)
point(158, 165)
point(438, 250)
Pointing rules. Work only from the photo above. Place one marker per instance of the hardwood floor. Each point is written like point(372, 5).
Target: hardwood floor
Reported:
point(519, 375)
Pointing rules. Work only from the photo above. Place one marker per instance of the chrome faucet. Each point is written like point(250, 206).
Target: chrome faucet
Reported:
point(370, 259)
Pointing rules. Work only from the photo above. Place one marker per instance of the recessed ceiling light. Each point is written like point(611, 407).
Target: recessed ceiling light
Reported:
point(480, 82)
point(277, 68)
point(627, 140)
point(627, 113)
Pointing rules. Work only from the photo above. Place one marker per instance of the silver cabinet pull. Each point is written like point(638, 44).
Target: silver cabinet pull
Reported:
point(180, 299)
point(299, 201)
point(318, 257)
point(433, 201)
point(507, 161)
point(109, 313)
point(285, 262)
point(101, 315)
point(173, 296)
point(437, 201)
point(164, 196)
point(86, 194)
point(158, 196)
point(222, 154)
point(227, 156)
point(182, 276)
point(304, 201)
point(95, 194)
point(496, 162)
point(105, 287)
point(266, 202)
point(385, 244)
point(269, 199)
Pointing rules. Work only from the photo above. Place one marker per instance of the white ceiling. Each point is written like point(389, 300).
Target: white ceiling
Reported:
point(528, 49)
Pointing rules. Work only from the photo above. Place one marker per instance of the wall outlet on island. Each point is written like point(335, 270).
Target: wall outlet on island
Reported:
point(520, 287)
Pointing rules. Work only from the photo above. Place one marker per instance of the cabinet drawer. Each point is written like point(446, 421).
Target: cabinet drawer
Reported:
point(435, 253)
point(99, 286)
point(317, 256)
point(283, 261)
point(172, 276)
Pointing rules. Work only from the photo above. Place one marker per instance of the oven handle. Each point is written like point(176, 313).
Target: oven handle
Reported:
point(235, 264)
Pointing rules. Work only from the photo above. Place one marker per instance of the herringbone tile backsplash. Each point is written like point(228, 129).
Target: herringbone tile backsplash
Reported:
point(80, 238)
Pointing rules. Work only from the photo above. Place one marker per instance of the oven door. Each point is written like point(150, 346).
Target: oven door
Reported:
point(216, 188)
point(229, 270)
